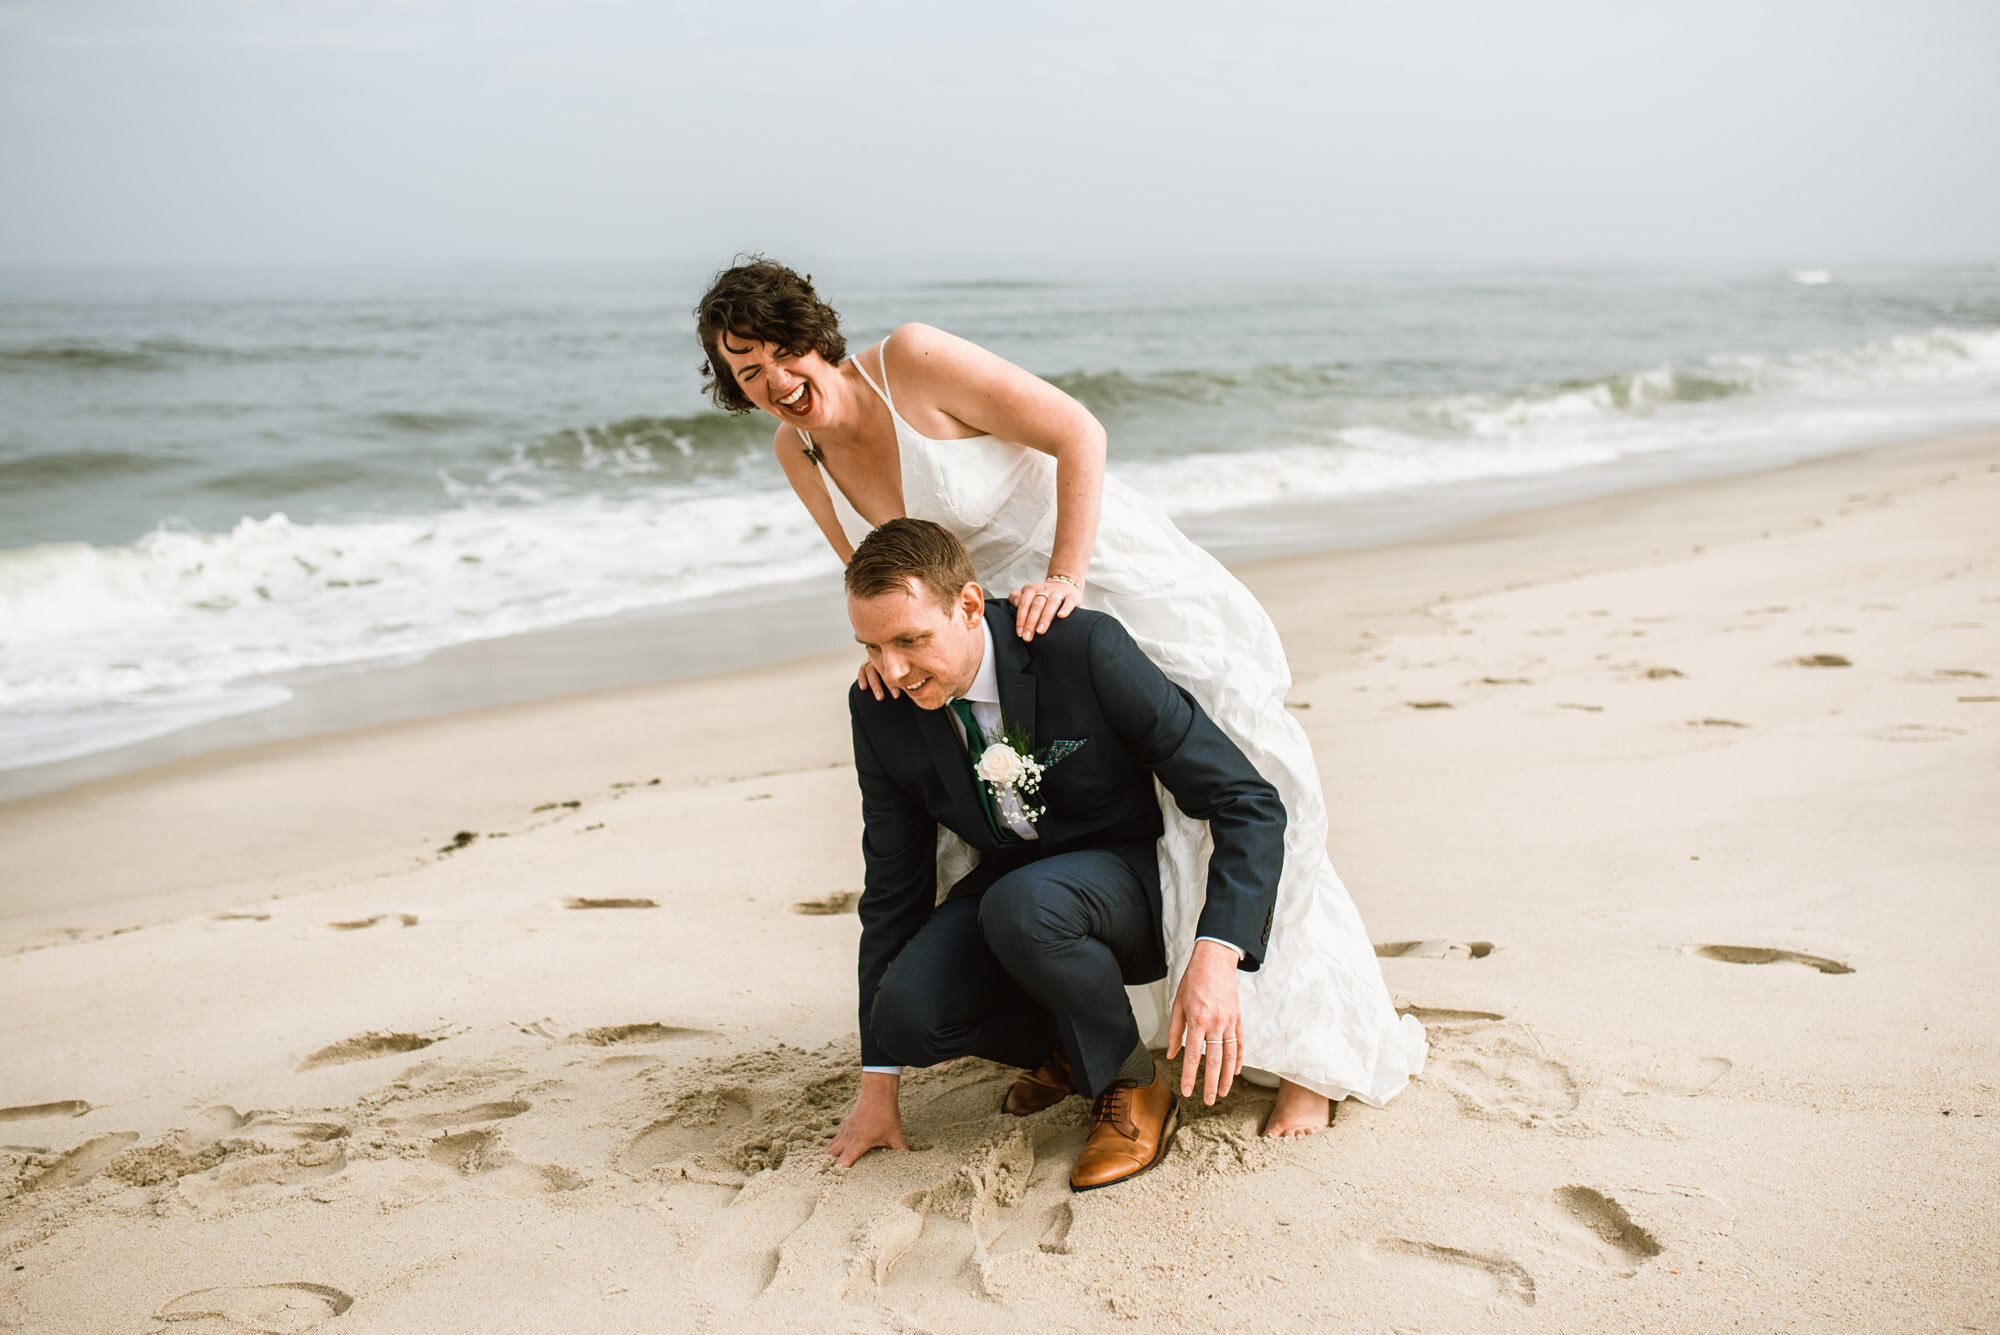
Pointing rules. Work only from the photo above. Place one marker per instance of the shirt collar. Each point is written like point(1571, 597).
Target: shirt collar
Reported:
point(985, 688)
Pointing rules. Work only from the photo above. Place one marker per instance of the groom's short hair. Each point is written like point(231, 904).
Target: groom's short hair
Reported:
point(906, 549)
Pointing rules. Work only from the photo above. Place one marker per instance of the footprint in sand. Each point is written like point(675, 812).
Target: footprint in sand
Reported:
point(1767, 955)
point(1010, 1197)
point(438, 1121)
point(406, 919)
point(1678, 1078)
point(1606, 1222)
point(75, 1167)
point(28, 1112)
point(648, 1031)
point(283, 1130)
point(966, 1091)
point(1433, 950)
point(744, 1245)
point(841, 901)
point(363, 1047)
point(578, 902)
point(1497, 1077)
point(276, 1309)
point(1818, 661)
point(697, 1123)
point(1914, 732)
point(467, 1152)
point(1473, 1274)
point(259, 1177)
point(1433, 1017)
point(931, 1253)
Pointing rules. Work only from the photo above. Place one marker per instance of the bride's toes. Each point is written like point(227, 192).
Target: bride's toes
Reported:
point(1298, 1112)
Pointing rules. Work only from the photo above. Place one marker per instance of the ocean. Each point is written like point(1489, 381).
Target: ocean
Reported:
point(215, 484)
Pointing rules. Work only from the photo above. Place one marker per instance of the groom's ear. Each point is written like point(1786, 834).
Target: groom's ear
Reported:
point(972, 602)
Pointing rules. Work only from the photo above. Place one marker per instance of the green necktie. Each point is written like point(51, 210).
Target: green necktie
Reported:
point(975, 743)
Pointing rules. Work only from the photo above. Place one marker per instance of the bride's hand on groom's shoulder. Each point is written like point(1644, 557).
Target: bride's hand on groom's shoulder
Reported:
point(873, 682)
point(1037, 606)
point(875, 1123)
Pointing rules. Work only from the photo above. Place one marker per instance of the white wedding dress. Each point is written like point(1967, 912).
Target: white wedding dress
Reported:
point(1317, 1012)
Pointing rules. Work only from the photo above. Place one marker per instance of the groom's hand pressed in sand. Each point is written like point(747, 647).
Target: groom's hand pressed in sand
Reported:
point(875, 1123)
point(1208, 1019)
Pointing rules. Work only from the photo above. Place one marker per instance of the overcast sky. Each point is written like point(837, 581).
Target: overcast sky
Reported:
point(1339, 134)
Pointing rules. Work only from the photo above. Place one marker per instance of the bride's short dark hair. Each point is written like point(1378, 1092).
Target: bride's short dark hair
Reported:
point(761, 300)
point(906, 549)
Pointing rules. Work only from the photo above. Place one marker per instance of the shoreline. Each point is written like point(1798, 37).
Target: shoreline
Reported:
point(763, 626)
point(634, 728)
point(1696, 917)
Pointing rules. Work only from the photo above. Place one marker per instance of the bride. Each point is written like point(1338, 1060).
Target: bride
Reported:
point(928, 425)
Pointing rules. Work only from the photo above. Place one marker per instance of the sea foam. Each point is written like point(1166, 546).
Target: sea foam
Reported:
point(103, 644)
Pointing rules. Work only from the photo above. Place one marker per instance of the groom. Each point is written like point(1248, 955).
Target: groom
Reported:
point(1026, 959)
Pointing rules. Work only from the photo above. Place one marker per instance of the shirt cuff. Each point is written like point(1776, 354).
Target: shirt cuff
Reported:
point(884, 1070)
point(1240, 952)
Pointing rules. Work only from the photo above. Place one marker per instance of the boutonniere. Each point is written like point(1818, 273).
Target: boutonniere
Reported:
point(1009, 769)
point(1012, 771)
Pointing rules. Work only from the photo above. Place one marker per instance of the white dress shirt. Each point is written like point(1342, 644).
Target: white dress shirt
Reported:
point(984, 697)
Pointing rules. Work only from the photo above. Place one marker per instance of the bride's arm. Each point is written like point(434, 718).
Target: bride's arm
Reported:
point(809, 485)
point(941, 373)
point(810, 488)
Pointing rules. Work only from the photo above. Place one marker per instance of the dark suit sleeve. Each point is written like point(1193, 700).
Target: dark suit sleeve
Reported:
point(1211, 779)
point(899, 852)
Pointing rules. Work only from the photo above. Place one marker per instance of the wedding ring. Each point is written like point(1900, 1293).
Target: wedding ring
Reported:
point(1213, 1043)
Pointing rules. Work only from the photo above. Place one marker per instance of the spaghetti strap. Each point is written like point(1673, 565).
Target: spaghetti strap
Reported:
point(881, 390)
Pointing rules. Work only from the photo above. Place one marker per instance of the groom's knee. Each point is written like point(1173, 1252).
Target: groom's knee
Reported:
point(1023, 914)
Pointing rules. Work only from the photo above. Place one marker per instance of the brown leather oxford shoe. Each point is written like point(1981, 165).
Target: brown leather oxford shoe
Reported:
point(1044, 1087)
point(1133, 1125)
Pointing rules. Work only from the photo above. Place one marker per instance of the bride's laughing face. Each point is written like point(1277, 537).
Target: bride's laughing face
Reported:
point(796, 389)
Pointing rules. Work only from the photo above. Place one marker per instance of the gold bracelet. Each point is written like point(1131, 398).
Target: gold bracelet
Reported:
point(1074, 584)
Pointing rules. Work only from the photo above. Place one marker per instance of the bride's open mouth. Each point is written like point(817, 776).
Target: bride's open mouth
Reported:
point(800, 401)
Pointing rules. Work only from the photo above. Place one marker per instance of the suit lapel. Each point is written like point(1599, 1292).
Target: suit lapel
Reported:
point(941, 740)
point(1014, 671)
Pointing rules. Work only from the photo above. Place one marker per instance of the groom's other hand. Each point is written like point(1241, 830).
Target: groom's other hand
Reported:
point(875, 1123)
point(1207, 1019)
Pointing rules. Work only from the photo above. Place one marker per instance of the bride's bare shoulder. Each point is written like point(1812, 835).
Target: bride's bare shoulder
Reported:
point(919, 351)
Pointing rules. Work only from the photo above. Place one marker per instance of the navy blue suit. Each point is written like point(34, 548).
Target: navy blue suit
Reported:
point(1041, 938)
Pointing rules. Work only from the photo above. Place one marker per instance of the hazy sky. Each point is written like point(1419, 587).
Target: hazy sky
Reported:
point(1016, 135)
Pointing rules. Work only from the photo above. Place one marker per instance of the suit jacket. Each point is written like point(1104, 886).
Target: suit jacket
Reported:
point(1082, 680)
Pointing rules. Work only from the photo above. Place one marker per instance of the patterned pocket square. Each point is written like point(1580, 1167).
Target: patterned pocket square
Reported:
point(1057, 752)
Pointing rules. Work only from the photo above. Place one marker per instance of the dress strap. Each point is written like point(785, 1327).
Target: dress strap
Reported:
point(811, 451)
point(882, 389)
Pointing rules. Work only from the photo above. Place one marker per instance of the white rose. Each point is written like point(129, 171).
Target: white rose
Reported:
point(1001, 765)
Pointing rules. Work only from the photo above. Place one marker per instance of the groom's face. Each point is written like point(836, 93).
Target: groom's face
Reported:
point(930, 653)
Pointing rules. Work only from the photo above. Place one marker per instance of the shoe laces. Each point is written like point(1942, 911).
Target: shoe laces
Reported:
point(1114, 1105)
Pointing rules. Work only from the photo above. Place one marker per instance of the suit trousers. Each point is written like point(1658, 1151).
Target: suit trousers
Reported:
point(1043, 953)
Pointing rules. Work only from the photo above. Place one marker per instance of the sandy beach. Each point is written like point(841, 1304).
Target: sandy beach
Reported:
point(1672, 814)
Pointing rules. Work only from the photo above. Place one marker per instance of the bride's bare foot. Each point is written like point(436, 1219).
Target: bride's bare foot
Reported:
point(1298, 1111)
